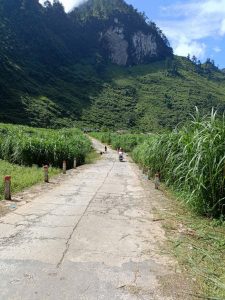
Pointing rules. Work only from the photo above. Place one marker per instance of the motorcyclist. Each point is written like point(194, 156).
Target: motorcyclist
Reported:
point(120, 154)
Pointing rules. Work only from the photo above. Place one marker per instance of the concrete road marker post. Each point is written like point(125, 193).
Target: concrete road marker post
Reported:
point(7, 182)
point(74, 163)
point(46, 173)
point(64, 167)
point(157, 181)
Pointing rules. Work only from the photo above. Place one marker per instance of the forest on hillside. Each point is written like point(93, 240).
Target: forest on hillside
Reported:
point(50, 78)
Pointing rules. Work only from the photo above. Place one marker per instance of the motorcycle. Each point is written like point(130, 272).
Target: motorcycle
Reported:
point(120, 156)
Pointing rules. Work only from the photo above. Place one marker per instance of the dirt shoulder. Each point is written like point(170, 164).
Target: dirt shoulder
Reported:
point(27, 195)
point(197, 243)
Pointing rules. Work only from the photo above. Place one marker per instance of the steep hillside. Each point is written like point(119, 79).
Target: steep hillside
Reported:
point(155, 96)
point(101, 65)
point(120, 34)
point(35, 53)
point(51, 62)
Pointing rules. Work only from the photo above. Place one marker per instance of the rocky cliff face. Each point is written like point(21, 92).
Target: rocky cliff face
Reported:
point(115, 43)
point(124, 47)
point(124, 37)
point(139, 46)
point(144, 46)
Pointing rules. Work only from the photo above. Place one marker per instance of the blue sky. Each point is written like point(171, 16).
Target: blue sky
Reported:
point(195, 26)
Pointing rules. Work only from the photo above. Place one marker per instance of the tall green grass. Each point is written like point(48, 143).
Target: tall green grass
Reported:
point(22, 177)
point(126, 141)
point(104, 137)
point(191, 161)
point(26, 146)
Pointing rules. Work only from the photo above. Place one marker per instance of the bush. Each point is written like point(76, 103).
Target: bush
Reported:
point(192, 161)
point(22, 177)
point(26, 146)
point(126, 141)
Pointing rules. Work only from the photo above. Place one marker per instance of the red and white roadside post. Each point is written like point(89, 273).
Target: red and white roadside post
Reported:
point(157, 180)
point(64, 167)
point(46, 173)
point(7, 182)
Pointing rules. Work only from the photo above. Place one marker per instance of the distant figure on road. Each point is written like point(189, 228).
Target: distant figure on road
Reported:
point(105, 149)
point(120, 154)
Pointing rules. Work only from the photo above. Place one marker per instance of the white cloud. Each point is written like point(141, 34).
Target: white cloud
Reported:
point(192, 48)
point(187, 24)
point(68, 4)
point(217, 49)
point(222, 27)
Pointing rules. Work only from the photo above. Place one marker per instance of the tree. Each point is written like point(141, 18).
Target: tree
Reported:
point(194, 59)
point(47, 4)
point(30, 4)
point(144, 16)
point(58, 7)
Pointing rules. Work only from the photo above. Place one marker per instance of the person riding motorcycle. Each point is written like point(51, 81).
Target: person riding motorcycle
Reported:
point(120, 154)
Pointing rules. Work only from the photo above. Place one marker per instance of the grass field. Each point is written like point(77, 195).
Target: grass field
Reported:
point(191, 161)
point(22, 177)
point(26, 145)
point(24, 151)
point(126, 141)
point(148, 98)
point(198, 244)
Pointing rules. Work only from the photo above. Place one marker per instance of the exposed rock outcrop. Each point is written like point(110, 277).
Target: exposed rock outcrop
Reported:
point(144, 46)
point(123, 36)
point(117, 46)
point(135, 49)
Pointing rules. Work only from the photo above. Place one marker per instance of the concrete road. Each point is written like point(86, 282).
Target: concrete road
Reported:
point(91, 237)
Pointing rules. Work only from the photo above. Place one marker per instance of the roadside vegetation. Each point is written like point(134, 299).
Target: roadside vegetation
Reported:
point(92, 157)
point(191, 162)
point(22, 177)
point(24, 150)
point(198, 244)
point(27, 146)
point(127, 141)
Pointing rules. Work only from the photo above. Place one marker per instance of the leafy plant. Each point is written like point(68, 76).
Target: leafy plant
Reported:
point(26, 146)
point(126, 141)
point(192, 161)
point(22, 177)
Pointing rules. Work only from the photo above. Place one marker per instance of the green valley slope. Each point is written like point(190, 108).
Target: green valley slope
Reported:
point(145, 97)
point(154, 97)
point(55, 72)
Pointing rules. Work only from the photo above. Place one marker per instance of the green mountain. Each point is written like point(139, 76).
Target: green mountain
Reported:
point(102, 9)
point(120, 34)
point(102, 65)
point(156, 96)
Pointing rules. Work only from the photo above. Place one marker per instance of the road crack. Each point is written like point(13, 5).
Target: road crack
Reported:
point(77, 224)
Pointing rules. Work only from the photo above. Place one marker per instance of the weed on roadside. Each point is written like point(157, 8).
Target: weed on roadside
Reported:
point(22, 177)
point(198, 244)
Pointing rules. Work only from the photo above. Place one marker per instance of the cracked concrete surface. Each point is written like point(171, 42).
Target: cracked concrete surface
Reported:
point(91, 237)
